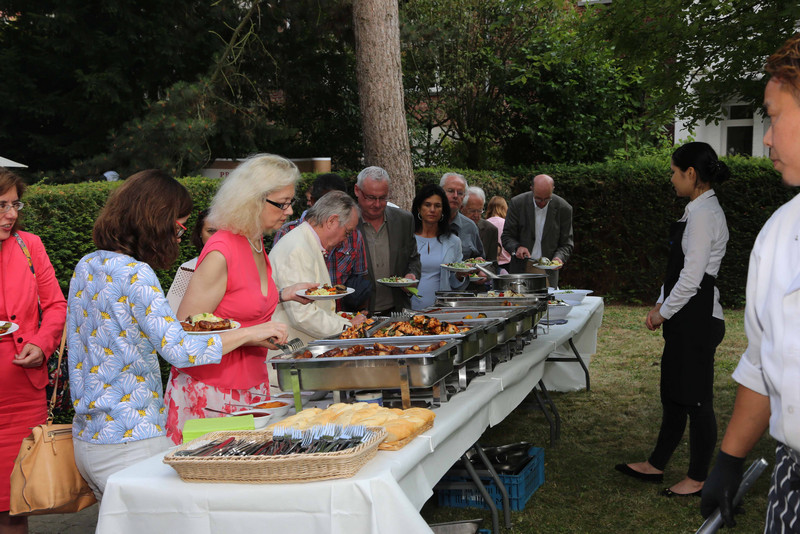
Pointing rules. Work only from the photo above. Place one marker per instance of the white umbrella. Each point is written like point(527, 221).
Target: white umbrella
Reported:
point(4, 162)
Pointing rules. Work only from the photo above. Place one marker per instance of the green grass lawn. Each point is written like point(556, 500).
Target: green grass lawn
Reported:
point(617, 421)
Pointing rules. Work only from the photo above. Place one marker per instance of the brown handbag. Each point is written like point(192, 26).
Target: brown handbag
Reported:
point(45, 479)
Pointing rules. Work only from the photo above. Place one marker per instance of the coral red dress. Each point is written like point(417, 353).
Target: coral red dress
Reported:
point(22, 400)
point(241, 377)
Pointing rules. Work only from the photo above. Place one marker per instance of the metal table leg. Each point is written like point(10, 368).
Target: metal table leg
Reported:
point(500, 485)
point(482, 489)
point(577, 359)
point(547, 406)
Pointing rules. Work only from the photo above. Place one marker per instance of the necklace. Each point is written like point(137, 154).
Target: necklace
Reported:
point(258, 251)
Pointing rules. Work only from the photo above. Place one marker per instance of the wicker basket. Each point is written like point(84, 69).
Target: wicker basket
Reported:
point(399, 444)
point(270, 469)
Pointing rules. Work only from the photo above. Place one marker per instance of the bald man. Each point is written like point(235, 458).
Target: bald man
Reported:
point(538, 224)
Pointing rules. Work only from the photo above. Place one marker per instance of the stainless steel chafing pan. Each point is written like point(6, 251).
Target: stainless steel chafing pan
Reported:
point(479, 339)
point(364, 372)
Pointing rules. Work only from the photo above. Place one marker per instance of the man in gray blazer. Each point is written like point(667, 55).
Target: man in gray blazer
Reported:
point(538, 224)
point(389, 237)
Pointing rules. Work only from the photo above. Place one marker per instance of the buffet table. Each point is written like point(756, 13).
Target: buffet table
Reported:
point(384, 496)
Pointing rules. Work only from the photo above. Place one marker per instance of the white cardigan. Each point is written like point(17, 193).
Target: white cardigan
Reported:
point(296, 258)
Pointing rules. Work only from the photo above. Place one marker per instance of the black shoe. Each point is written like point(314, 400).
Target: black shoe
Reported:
point(625, 469)
point(666, 492)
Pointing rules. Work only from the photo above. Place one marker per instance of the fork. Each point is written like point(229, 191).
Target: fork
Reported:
point(343, 439)
point(296, 439)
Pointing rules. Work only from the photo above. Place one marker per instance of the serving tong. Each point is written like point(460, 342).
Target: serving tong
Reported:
point(293, 345)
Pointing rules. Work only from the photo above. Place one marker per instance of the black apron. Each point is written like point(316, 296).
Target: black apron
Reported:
point(687, 364)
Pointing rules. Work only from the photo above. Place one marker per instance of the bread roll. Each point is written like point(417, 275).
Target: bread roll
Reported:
point(423, 413)
point(398, 429)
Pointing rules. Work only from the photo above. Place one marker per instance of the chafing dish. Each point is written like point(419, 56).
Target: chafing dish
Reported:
point(460, 300)
point(533, 307)
point(516, 320)
point(402, 371)
point(479, 339)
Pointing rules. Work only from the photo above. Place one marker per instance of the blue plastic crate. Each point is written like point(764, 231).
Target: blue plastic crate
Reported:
point(520, 487)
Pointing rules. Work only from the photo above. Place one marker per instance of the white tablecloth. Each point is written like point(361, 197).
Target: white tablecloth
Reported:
point(384, 496)
point(569, 376)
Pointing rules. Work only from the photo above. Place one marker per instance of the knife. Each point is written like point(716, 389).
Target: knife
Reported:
point(222, 445)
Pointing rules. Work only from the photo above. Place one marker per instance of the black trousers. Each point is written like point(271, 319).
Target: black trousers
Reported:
point(702, 427)
point(702, 436)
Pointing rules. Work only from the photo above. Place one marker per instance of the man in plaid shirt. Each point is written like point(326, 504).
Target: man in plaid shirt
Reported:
point(347, 262)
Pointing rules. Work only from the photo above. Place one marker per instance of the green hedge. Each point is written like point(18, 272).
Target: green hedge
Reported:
point(622, 213)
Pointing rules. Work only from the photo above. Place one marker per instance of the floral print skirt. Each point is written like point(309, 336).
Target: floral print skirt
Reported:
point(187, 398)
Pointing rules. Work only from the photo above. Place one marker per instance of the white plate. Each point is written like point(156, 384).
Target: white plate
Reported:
point(13, 328)
point(458, 269)
point(235, 325)
point(406, 283)
point(302, 293)
point(545, 267)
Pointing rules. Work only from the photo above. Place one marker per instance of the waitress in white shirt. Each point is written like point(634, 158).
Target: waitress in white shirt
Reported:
point(693, 323)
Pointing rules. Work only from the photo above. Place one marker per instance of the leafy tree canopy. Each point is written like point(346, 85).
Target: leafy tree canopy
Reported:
point(696, 55)
point(74, 70)
point(515, 82)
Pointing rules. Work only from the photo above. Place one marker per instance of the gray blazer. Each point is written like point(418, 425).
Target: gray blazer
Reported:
point(519, 230)
point(488, 233)
point(403, 254)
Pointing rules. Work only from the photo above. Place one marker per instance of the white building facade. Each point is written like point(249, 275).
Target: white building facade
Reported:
point(740, 133)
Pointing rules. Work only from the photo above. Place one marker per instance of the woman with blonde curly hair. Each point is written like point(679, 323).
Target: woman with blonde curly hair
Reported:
point(234, 280)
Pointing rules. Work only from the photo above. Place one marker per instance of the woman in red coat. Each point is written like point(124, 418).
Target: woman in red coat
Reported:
point(27, 281)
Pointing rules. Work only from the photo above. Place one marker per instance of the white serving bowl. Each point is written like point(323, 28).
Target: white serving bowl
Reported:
point(278, 411)
point(558, 311)
point(305, 396)
point(260, 417)
point(572, 296)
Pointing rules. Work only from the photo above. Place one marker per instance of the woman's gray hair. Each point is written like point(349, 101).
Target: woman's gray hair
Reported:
point(240, 198)
point(332, 203)
point(477, 191)
point(376, 173)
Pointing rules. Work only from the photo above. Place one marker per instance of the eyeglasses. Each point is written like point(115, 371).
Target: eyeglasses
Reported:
point(474, 212)
point(455, 192)
point(281, 207)
point(5, 206)
point(180, 230)
point(370, 198)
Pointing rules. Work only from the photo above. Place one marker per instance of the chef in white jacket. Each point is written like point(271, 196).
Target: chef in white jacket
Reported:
point(769, 371)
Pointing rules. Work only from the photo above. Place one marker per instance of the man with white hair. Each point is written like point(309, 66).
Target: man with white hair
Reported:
point(300, 257)
point(455, 187)
point(472, 208)
point(538, 224)
point(389, 236)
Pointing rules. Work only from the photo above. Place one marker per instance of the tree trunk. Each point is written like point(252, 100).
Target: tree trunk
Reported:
point(380, 87)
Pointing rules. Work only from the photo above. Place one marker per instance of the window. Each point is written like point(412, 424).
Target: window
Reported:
point(737, 131)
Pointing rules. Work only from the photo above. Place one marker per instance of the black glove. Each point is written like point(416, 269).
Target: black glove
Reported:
point(721, 486)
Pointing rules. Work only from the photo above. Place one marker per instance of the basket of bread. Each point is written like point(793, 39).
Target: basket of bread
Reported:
point(401, 426)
